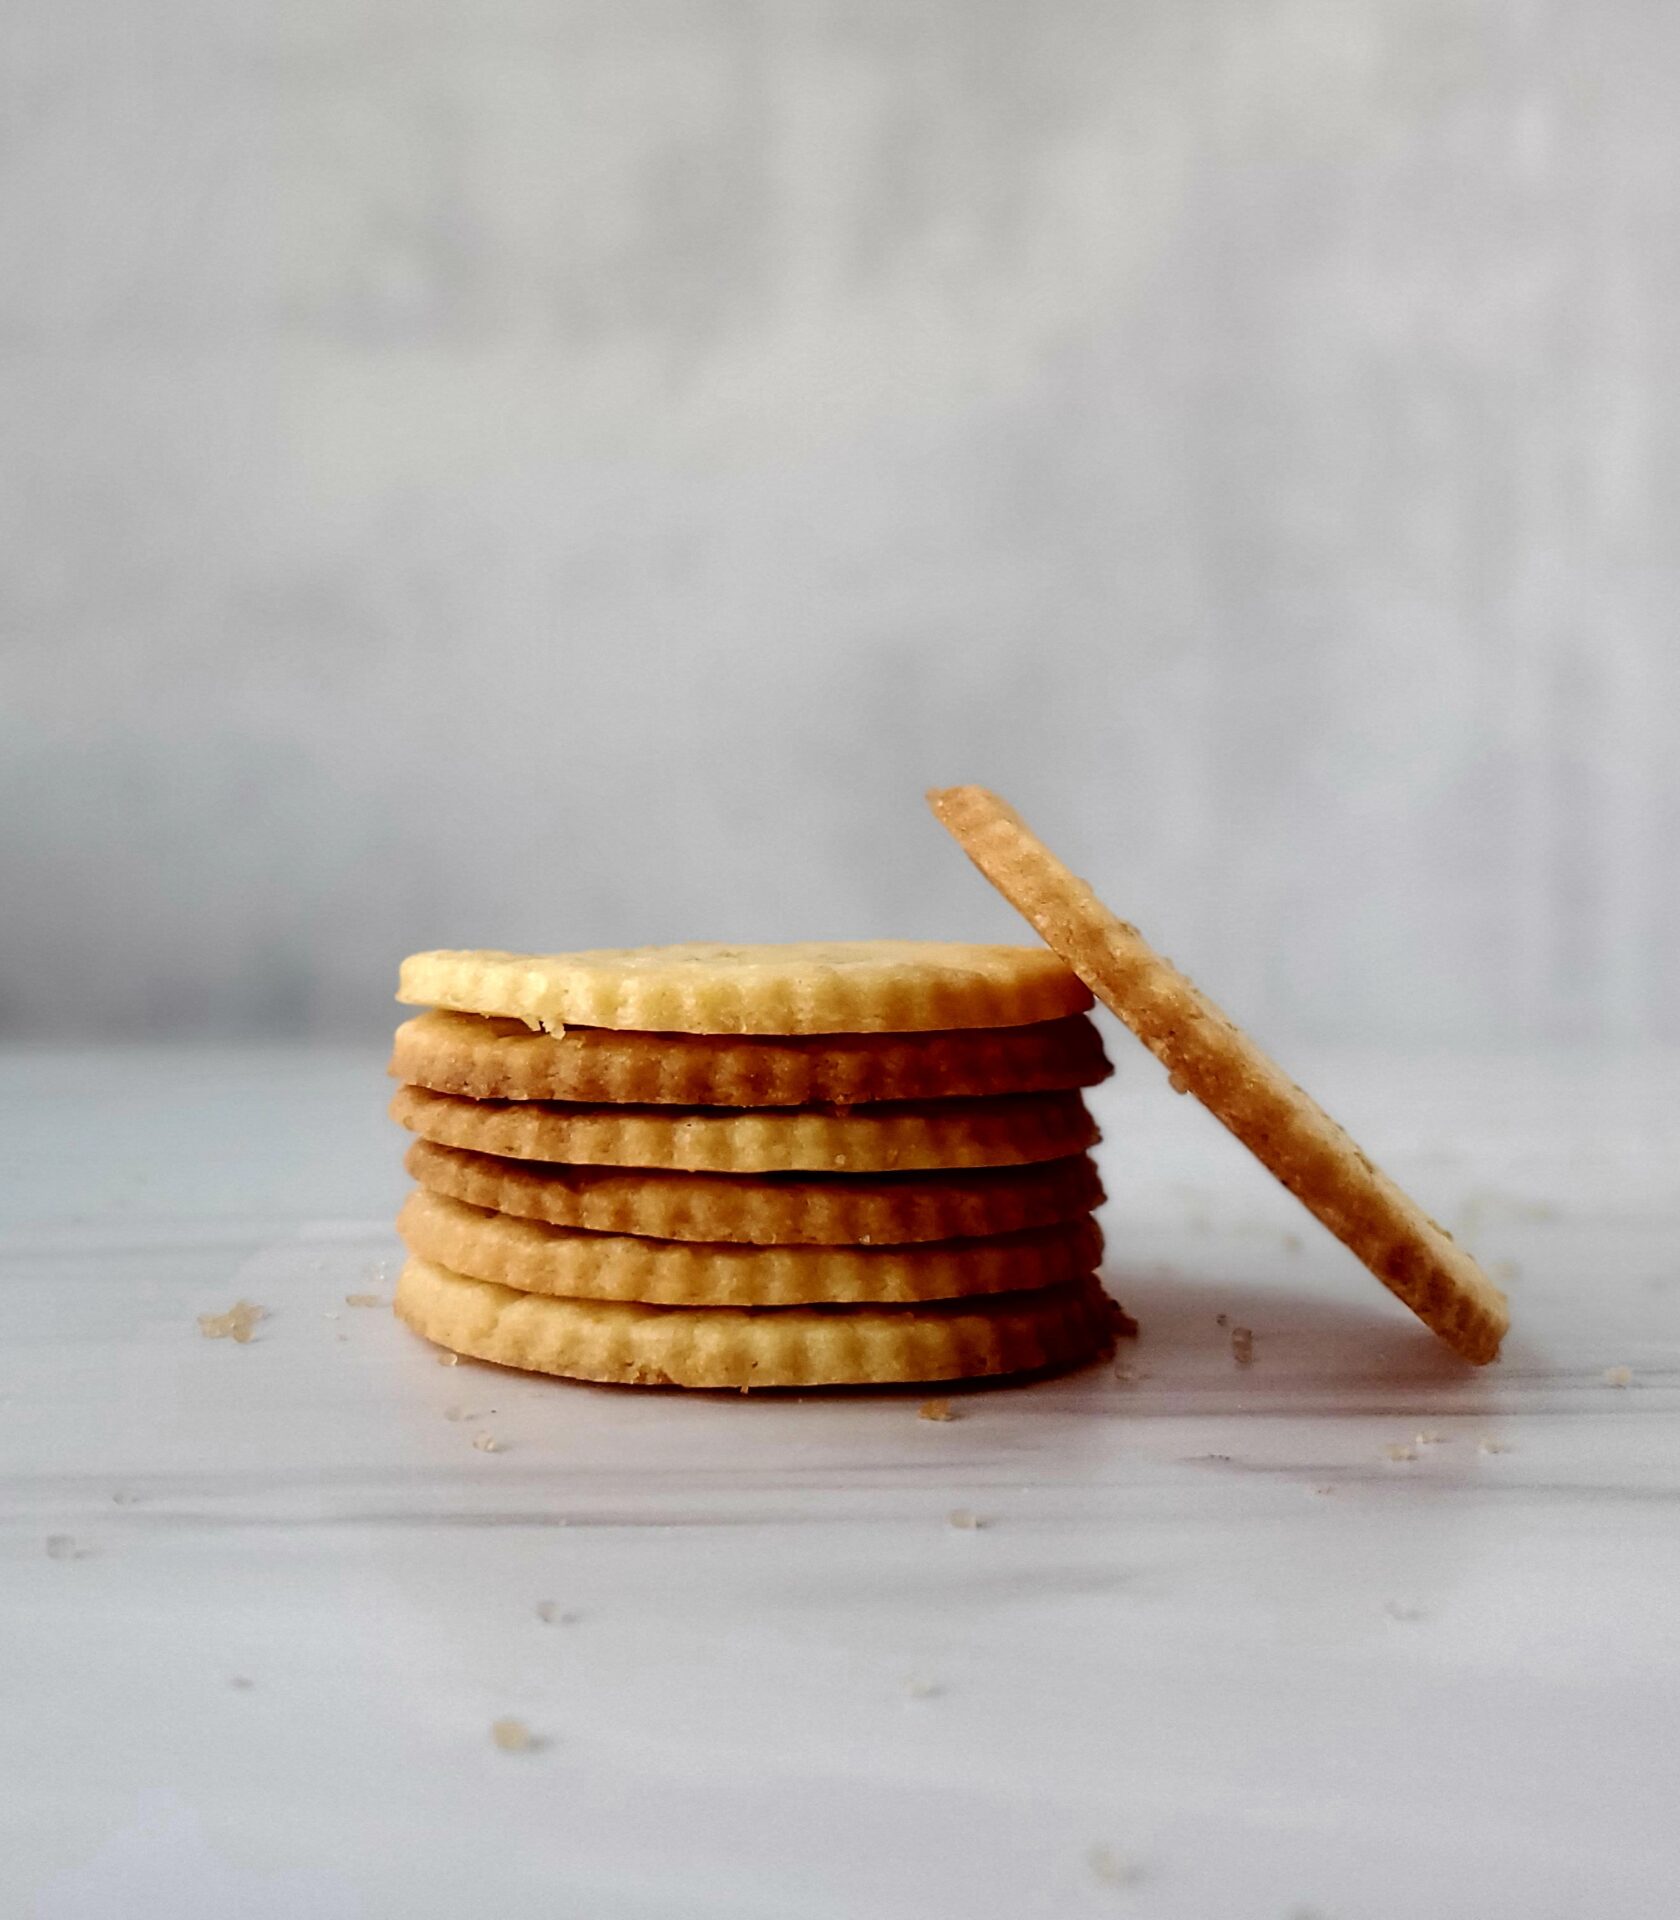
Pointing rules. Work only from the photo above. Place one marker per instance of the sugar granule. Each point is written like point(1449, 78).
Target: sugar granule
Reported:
point(235, 1324)
point(1112, 1868)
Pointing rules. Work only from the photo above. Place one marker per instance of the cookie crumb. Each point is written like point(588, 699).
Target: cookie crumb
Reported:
point(366, 1300)
point(487, 1443)
point(448, 1359)
point(552, 1615)
point(1428, 1438)
point(1401, 1610)
point(60, 1546)
point(935, 1410)
point(1114, 1869)
point(513, 1736)
point(1292, 1243)
point(1242, 1346)
point(964, 1519)
point(1398, 1450)
point(1221, 1319)
point(1324, 1489)
point(1494, 1446)
point(1618, 1376)
point(919, 1689)
point(235, 1324)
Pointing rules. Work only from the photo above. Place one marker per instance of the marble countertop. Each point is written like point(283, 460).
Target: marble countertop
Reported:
point(1351, 1632)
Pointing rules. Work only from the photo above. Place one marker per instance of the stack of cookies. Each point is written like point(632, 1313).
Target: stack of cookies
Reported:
point(788, 1166)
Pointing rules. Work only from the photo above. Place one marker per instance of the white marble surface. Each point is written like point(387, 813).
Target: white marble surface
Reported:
point(1211, 1653)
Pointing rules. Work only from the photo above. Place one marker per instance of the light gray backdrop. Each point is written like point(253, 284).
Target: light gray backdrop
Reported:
point(536, 472)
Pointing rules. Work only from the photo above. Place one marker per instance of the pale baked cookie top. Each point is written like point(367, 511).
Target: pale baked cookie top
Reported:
point(843, 986)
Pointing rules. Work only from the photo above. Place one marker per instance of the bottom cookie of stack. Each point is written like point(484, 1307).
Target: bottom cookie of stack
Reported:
point(630, 1343)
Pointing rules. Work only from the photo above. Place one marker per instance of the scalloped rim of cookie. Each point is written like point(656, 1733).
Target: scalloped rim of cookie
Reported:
point(531, 1256)
point(622, 1343)
point(486, 1058)
point(922, 1136)
point(844, 986)
point(885, 1209)
point(1208, 1055)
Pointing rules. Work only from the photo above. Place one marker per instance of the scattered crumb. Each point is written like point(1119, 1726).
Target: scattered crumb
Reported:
point(513, 1736)
point(1618, 1376)
point(1114, 1869)
point(235, 1324)
point(1242, 1346)
point(1126, 1373)
point(366, 1300)
point(1221, 1457)
point(448, 1359)
point(1494, 1446)
point(552, 1615)
point(1324, 1489)
point(1221, 1319)
point(1398, 1450)
point(964, 1519)
point(127, 1497)
point(1178, 1083)
point(935, 1410)
point(1429, 1438)
point(919, 1689)
point(1292, 1243)
point(240, 1682)
point(487, 1443)
point(1400, 1610)
point(60, 1546)
point(458, 1412)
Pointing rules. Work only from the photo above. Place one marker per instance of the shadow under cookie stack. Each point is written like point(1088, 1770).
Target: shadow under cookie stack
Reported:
point(739, 1167)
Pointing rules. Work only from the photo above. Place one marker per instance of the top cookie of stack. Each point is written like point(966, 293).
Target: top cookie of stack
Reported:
point(732, 1166)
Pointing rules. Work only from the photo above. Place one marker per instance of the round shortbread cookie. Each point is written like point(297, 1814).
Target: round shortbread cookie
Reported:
point(488, 1059)
point(775, 1209)
point(532, 1257)
point(1011, 1132)
point(842, 986)
point(1208, 1055)
point(736, 1347)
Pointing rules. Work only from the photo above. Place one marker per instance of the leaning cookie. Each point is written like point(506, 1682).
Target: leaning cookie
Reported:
point(1208, 1055)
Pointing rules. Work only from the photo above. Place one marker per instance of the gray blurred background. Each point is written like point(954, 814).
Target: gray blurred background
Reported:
point(550, 473)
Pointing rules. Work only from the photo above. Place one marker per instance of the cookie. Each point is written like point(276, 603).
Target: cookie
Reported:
point(1208, 1055)
point(767, 1210)
point(531, 1257)
point(633, 1345)
point(847, 986)
point(488, 1059)
point(1008, 1132)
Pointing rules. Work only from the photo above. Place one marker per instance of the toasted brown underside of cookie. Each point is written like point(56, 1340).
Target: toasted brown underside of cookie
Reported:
point(533, 1257)
point(488, 1059)
point(843, 986)
point(890, 1209)
point(1209, 1056)
point(902, 1135)
point(733, 1347)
